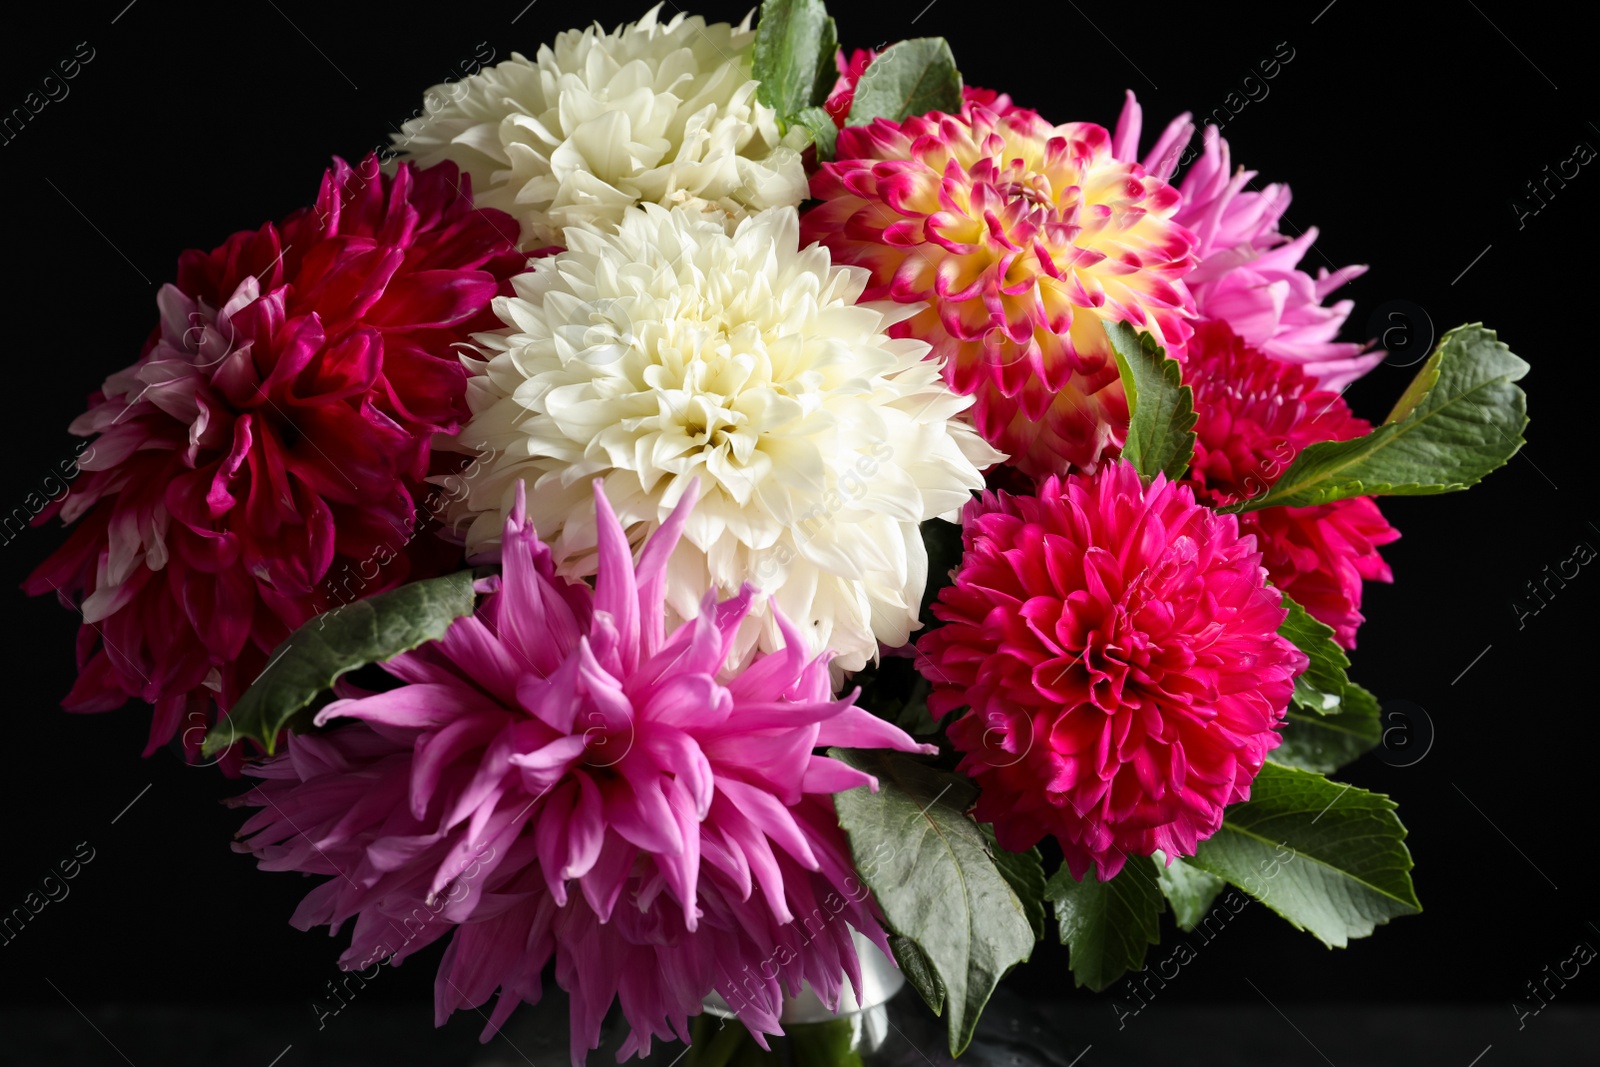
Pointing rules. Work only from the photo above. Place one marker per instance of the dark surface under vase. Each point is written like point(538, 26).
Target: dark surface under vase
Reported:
point(1013, 1033)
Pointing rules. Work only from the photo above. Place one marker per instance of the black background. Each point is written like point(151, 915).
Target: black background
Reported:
point(1406, 137)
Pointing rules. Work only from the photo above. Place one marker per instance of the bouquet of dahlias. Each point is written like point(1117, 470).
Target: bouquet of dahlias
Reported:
point(708, 502)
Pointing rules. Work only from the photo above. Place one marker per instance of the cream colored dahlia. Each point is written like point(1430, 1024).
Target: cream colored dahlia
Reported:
point(672, 351)
point(653, 112)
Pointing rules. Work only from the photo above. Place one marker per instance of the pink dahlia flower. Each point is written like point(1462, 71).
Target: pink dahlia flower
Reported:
point(1249, 275)
point(274, 431)
point(1255, 415)
point(1021, 238)
point(560, 777)
point(850, 71)
point(1117, 649)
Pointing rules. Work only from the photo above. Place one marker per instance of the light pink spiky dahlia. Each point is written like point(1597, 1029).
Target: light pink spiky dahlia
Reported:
point(275, 430)
point(561, 777)
point(1249, 275)
point(1022, 238)
point(1254, 415)
point(1116, 646)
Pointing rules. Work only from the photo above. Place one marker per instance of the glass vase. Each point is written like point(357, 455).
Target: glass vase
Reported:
point(887, 1026)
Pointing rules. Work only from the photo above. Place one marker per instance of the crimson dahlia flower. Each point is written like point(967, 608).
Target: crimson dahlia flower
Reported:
point(1116, 647)
point(564, 777)
point(1255, 414)
point(274, 432)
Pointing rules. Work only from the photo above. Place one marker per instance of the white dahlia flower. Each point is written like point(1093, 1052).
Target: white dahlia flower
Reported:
point(669, 350)
point(653, 112)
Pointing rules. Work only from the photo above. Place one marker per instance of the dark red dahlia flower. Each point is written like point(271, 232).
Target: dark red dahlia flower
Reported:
point(274, 432)
point(1255, 415)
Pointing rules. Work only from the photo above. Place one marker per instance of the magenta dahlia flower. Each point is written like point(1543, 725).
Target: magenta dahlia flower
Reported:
point(1117, 649)
point(562, 777)
point(1249, 275)
point(1020, 238)
point(1254, 416)
point(274, 432)
point(850, 71)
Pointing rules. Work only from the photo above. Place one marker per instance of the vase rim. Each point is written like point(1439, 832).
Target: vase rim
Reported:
point(881, 979)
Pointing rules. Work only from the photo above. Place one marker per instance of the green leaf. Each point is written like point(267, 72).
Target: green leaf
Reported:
point(1161, 414)
point(1460, 419)
point(1328, 857)
point(793, 55)
point(1315, 742)
point(820, 125)
point(932, 870)
point(913, 716)
point(1025, 872)
point(1421, 385)
point(310, 659)
point(919, 971)
point(1321, 687)
point(908, 78)
point(1188, 889)
point(827, 70)
point(826, 66)
point(1106, 926)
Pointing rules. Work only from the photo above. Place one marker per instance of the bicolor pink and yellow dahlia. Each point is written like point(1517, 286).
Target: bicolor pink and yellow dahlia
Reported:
point(1248, 274)
point(1254, 415)
point(564, 778)
point(1021, 238)
point(276, 428)
point(1116, 646)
